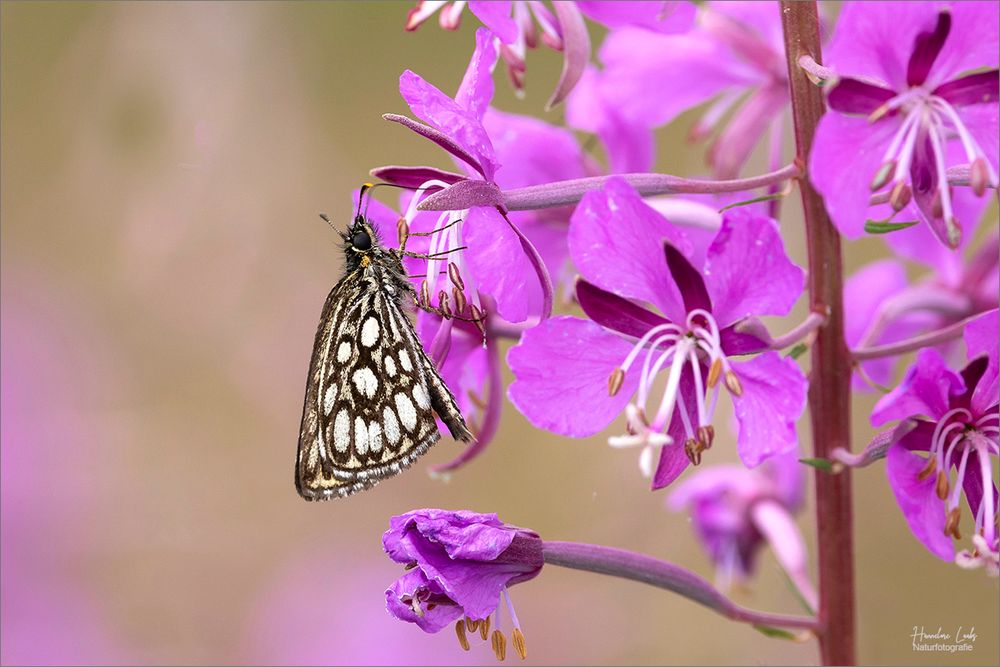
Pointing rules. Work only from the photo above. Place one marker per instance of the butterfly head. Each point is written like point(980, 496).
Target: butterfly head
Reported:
point(361, 243)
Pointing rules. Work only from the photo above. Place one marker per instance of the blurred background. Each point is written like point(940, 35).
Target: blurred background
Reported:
point(163, 270)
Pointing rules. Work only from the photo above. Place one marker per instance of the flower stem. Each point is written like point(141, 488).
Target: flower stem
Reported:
point(830, 386)
point(808, 325)
point(648, 570)
point(562, 193)
point(937, 337)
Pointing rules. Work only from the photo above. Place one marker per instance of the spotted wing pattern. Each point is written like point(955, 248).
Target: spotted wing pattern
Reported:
point(371, 394)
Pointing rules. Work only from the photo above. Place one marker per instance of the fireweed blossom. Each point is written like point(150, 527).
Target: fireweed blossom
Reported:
point(948, 422)
point(574, 376)
point(733, 56)
point(905, 109)
point(521, 25)
point(459, 567)
point(735, 511)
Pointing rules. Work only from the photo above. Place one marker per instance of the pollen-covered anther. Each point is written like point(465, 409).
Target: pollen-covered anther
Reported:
point(615, 381)
point(900, 196)
point(476, 315)
point(954, 232)
point(951, 523)
point(706, 435)
point(733, 383)
point(714, 373)
point(484, 628)
point(879, 113)
point(455, 276)
point(928, 469)
point(517, 639)
point(425, 294)
point(693, 449)
point(444, 305)
point(463, 640)
point(979, 176)
point(499, 643)
point(402, 231)
point(941, 486)
point(460, 301)
point(883, 175)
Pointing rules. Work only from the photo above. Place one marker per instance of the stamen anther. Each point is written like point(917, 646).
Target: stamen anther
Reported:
point(471, 625)
point(883, 175)
point(484, 628)
point(900, 196)
point(615, 381)
point(455, 276)
point(714, 372)
point(706, 435)
point(480, 322)
point(979, 176)
point(443, 305)
point(402, 231)
point(928, 469)
point(951, 523)
point(499, 645)
point(941, 487)
point(733, 383)
point(517, 639)
point(693, 451)
point(463, 641)
point(460, 302)
point(954, 232)
point(425, 294)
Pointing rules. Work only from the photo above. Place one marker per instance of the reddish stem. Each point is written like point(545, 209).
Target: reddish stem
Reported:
point(829, 388)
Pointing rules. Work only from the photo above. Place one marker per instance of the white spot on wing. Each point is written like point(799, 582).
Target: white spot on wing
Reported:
point(420, 396)
point(404, 361)
point(375, 437)
point(390, 366)
point(369, 332)
point(407, 413)
point(342, 431)
point(344, 352)
point(391, 426)
point(329, 397)
point(360, 436)
point(365, 381)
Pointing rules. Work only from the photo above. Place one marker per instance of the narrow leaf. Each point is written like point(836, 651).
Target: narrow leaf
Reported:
point(797, 351)
point(819, 464)
point(775, 633)
point(882, 227)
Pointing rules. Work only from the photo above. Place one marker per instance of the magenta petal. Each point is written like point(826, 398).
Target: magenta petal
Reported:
point(858, 97)
point(442, 614)
point(495, 15)
point(773, 399)
point(847, 153)
point(972, 484)
point(462, 195)
point(747, 271)
point(561, 370)
point(921, 507)
point(926, 390)
point(476, 90)
point(972, 45)
point(980, 340)
point(630, 145)
point(576, 49)
point(615, 313)
point(532, 151)
point(500, 266)
point(979, 88)
point(664, 17)
point(744, 131)
point(414, 177)
point(865, 291)
point(673, 459)
point(926, 47)
point(615, 240)
point(441, 139)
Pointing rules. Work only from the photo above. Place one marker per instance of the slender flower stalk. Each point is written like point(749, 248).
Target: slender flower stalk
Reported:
point(812, 322)
point(562, 193)
point(943, 335)
point(829, 390)
point(648, 570)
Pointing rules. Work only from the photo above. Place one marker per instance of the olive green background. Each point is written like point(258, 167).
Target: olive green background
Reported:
point(162, 168)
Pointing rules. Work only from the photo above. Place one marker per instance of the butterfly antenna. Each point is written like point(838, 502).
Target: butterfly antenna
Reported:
point(369, 187)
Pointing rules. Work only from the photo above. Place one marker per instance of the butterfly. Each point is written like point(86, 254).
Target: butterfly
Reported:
point(372, 392)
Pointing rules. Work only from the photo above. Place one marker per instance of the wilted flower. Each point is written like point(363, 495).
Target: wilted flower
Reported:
point(460, 567)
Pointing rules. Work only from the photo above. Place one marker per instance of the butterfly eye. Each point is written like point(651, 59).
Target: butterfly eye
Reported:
point(361, 240)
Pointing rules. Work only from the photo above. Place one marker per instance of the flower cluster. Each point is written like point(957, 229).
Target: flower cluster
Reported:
point(668, 293)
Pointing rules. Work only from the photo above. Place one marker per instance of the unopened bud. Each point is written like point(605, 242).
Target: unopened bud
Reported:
point(402, 231)
point(979, 176)
point(714, 372)
point(882, 175)
point(941, 486)
point(443, 304)
point(706, 435)
point(460, 302)
point(499, 645)
point(900, 196)
point(517, 639)
point(463, 641)
point(456, 277)
point(615, 381)
point(733, 384)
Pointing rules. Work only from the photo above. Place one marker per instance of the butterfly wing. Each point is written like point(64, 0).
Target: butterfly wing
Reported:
point(371, 393)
